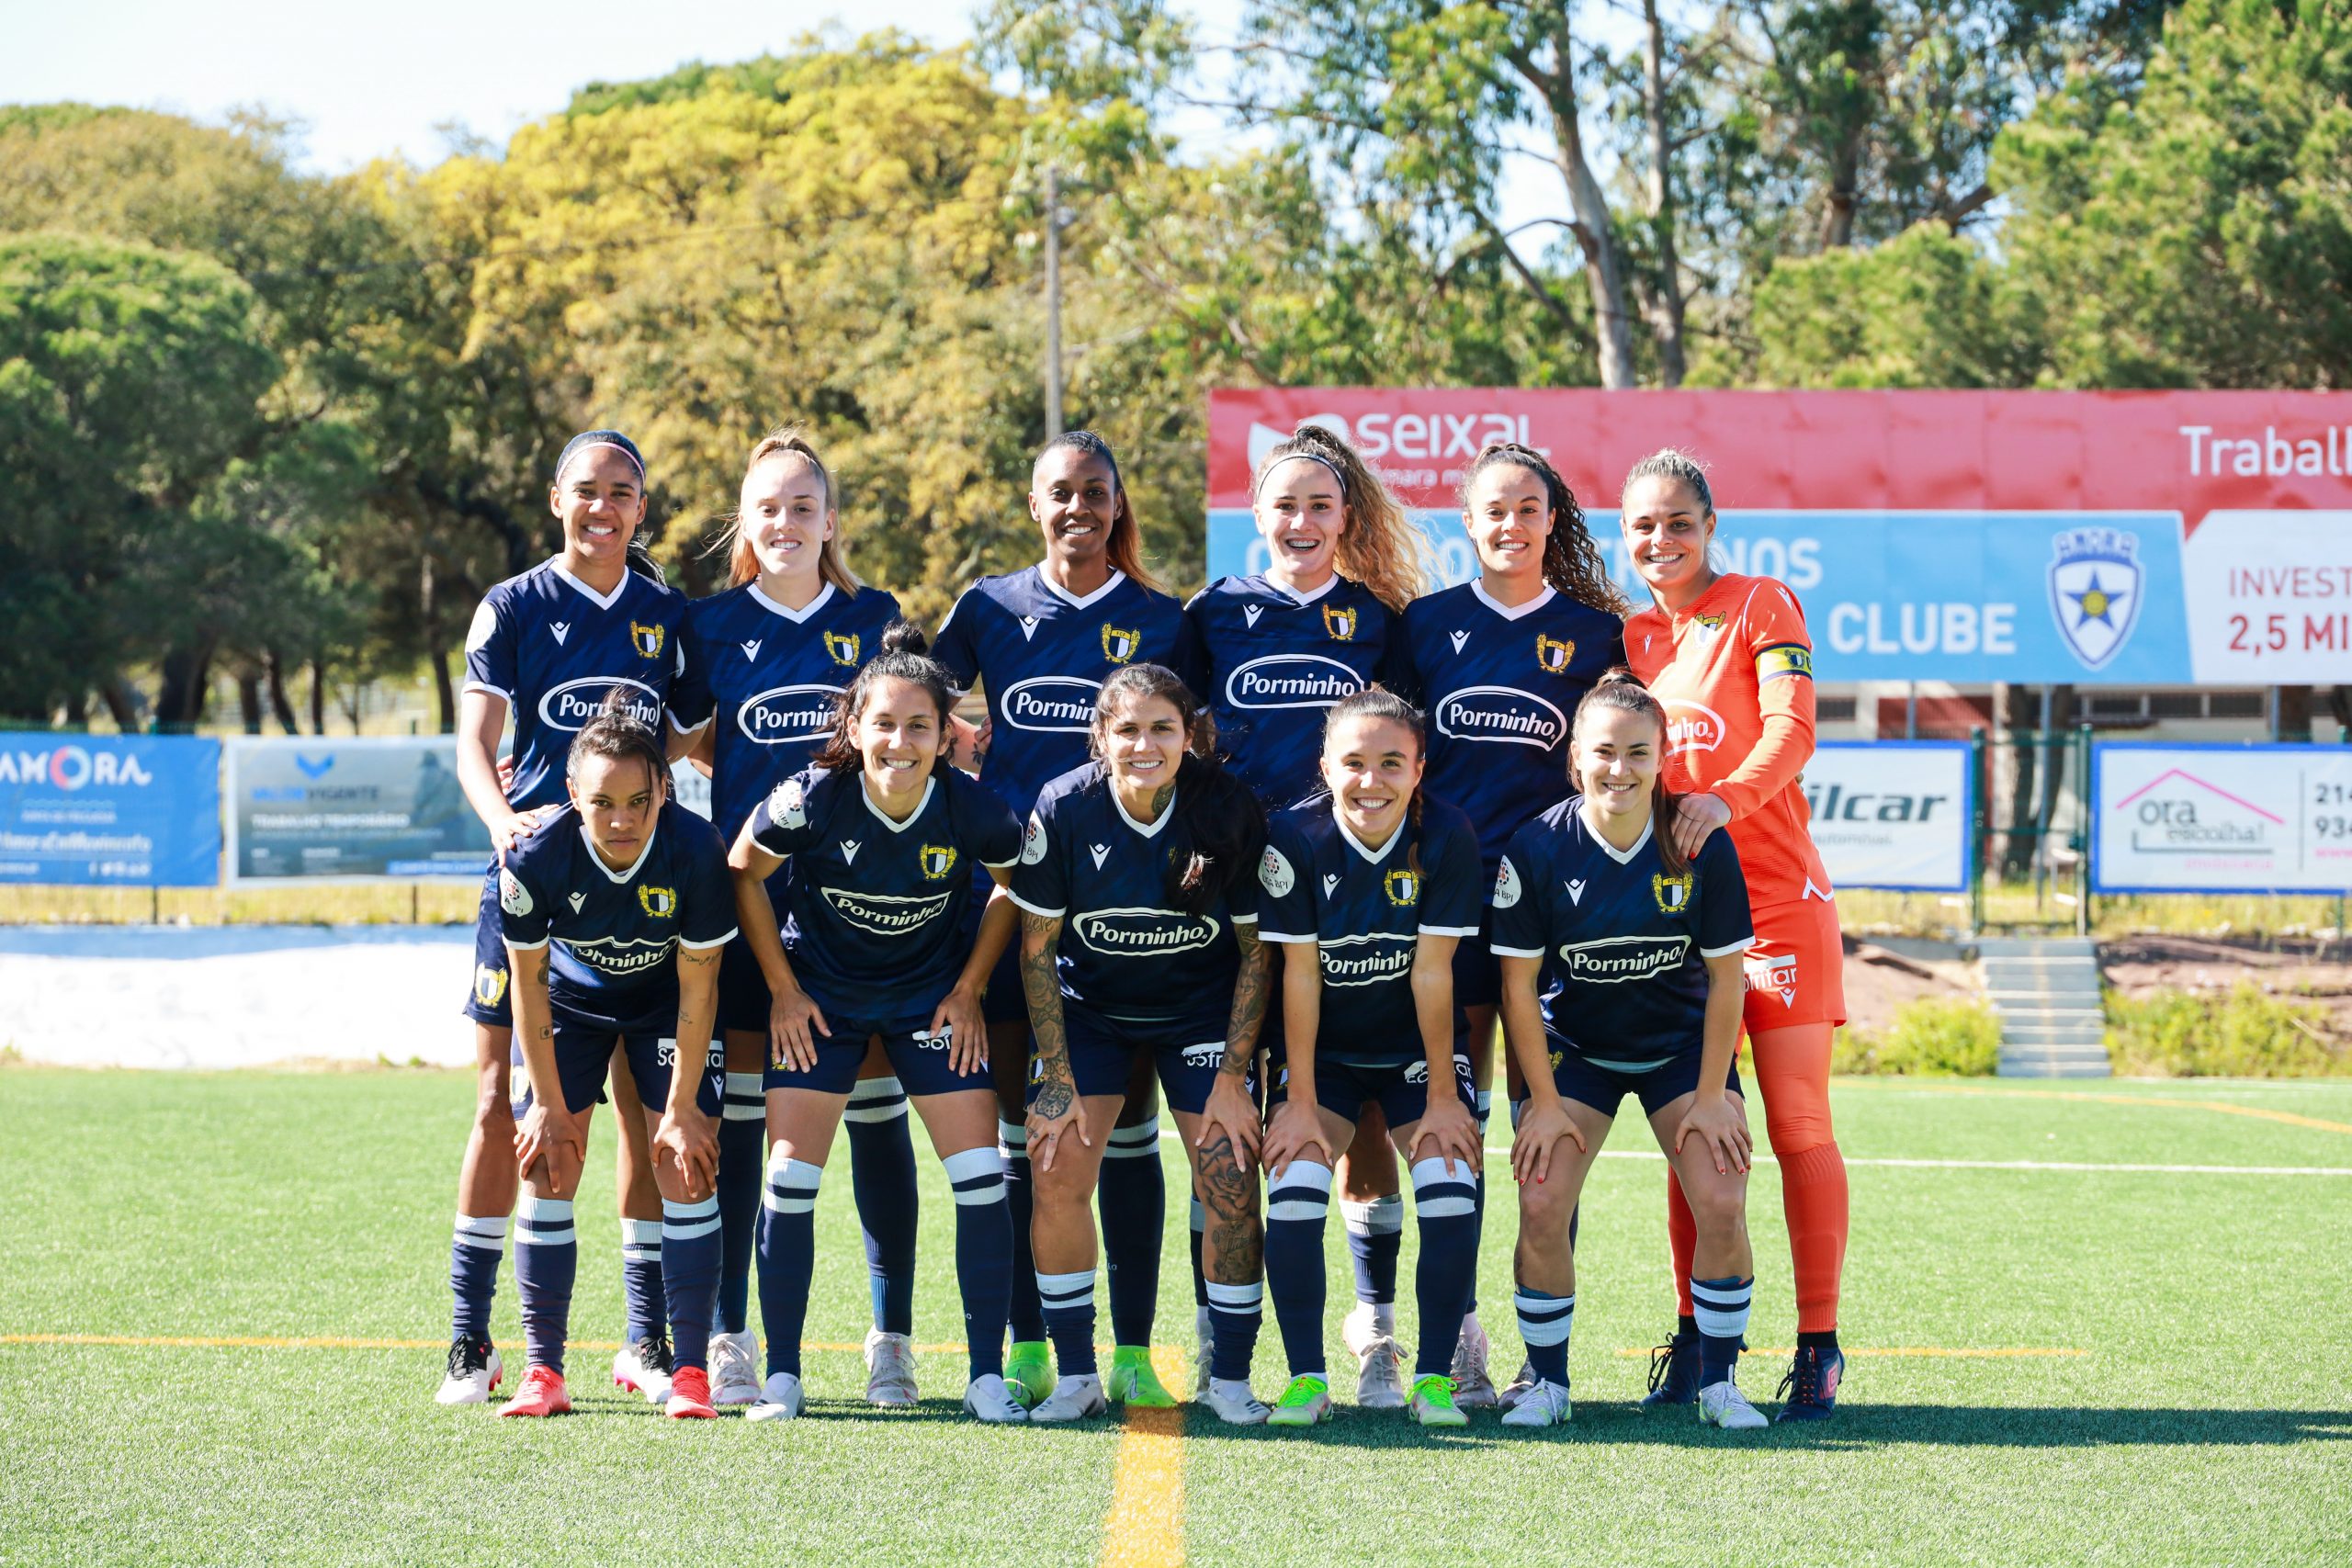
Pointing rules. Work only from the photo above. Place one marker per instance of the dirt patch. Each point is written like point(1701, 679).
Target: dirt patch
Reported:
point(1879, 981)
point(2305, 970)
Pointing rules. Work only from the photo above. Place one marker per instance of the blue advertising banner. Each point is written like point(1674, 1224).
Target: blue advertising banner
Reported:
point(100, 810)
point(350, 810)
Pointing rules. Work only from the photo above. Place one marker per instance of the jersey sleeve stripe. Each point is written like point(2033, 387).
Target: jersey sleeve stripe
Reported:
point(687, 730)
point(1285, 936)
point(1499, 951)
point(486, 686)
point(1012, 859)
point(1037, 909)
point(717, 942)
point(525, 946)
point(1245, 920)
point(1742, 945)
point(1449, 931)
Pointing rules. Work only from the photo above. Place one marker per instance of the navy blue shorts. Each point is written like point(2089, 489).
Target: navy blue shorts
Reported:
point(1604, 1086)
point(917, 1057)
point(1401, 1090)
point(583, 1052)
point(1477, 973)
point(488, 1002)
point(1004, 1003)
point(1187, 1052)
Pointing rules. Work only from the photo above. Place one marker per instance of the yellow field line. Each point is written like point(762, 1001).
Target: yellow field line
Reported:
point(1940, 1351)
point(339, 1342)
point(1145, 1527)
point(2289, 1117)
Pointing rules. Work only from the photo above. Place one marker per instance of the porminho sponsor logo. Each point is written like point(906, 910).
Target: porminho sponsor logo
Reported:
point(621, 957)
point(1616, 958)
point(1691, 727)
point(1290, 680)
point(573, 704)
point(1132, 934)
point(783, 713)
point(1367, 960)
point(1501, 713)
point(884, 915)
point(1050, 702)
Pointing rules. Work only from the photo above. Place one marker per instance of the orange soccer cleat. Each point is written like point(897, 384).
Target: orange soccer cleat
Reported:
point(542, 1393)
point(690, 1395)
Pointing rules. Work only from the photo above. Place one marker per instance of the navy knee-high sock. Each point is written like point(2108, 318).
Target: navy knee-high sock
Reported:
point(1067, 1301)
point(1720, 1308)
point(788, 1256)
point(882, 1179)
point(1445, 1204)
point(1133, 1193)
point(1025, 1316)
point(690, 1250)
point(642, 1290)
point(1298, 1205)
point(1544, 1323)
point(474, 1248)
point(1376, 1238)
point(547, 1260)
point(983, 1254)
point(742, 1140)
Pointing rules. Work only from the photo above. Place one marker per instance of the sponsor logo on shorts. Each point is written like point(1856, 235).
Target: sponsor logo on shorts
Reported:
point(1207, 1056)
point(882, 914)
point(1417, 1072)
point(1143, 933)
point(665, 1054)
point(784, 714)
point(571, 706)
point(1502, 713)
point(1051, 704)
point(1774, 973)
point(1613, 959)
point(939, 1041)
point(1365, 960)
point(662, 902)
point(1290, 680)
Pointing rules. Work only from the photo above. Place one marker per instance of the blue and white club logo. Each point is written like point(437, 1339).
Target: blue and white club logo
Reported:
point(2096, 586)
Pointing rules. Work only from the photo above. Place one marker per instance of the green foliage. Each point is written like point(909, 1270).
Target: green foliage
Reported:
point(2242, 1033)
point(1924, 310)
point(1929, 1036)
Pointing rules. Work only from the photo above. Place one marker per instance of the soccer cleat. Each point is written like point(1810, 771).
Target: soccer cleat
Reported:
point(542, 1393)
point(985, 1398)
point(1204, 1341)
point(690, 1395)
point(1514, 1391)
point(780, 1398)
point(1545, 1405)
point(1029, 1371)
point(1433, 1401)
point(1380, 1376)
point(1235, 1403)
point(889, 1370)
point(1722, 1404)
point(1073, 1399)
point(642, 1367)
point(1306, 1401)
point(1473, 1389)
point(734, 1369)
point(1133, 1381)
point(1811, 1387)
point(474, 1373)
point(1674, 1371)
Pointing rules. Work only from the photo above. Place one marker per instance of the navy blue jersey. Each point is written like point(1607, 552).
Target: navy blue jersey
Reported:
point(1042, 655)
point(1500, 686)
point(553, 647)
point(767, 677)
point(1623, 944)
point(616, 931)
point(872, 906)
point(1123, 952)
point(1366, 911)
point(1273, 663)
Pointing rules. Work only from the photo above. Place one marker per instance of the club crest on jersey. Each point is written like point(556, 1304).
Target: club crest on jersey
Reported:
point(662, 902)
point(1705, 627)
point(1403, 887)
point(937, 861)
point(842, 648)
point(1341, 623)
point(1673, 893)
point(490, 985)
point(1119, 646)
point(646, 639)
point(1553, 654)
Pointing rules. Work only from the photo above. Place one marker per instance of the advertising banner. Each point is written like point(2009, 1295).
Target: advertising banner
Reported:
point(2096, 538)
point(354, 809)
point(2220, 819)
point(1892, 814)
point(100, 810)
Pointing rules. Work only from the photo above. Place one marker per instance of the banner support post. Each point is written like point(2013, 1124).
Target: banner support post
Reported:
point(2083, 842)
point(1977, 830)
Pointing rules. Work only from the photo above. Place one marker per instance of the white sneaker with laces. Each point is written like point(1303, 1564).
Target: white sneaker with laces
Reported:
point(1205, 1338)
point(471, 1376)
point(735, 1368)
point(1722, 1404)
point(1380, 1375)
point(1235, 1403)
point(1516, 1390)
point(1073, 1399)
point(642, 1365)
point(780, 1399)
point(987, 1399)
point(1545, 1405)
point(1472, 1388)
point(889, 1370)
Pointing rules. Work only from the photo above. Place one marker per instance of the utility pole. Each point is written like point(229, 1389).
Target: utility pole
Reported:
point(1053, 303)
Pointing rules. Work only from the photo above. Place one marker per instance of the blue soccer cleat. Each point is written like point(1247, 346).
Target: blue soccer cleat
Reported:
point(1811, 1387)
point(1674, 1371)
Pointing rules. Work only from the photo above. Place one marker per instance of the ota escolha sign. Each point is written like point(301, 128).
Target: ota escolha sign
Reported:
point(350, 810)
point(95, 810)
point(2220, 819)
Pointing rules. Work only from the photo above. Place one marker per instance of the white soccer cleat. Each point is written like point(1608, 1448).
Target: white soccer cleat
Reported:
point(474, 1371)
point(1516, 1390)
point(1235, 1403)
point(643, 1366)
point(735, 1368)
point(1722, 1404)
point(987, 1399)
point(1380, 1375)
point(889, 1370)
point(1545, 1405)
point(1073, 1399)
point(1472, 1388)
point(1205, 1338)
point(780, 1399)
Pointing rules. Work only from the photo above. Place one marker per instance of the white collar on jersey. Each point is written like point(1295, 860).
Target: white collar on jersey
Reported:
point(601, 601)
point(1372, 855)
point(1312, 594)
point(1072, 599)
point(883, 816)
point(1623, 857)
point(1511, 612)
point(598, 861)
point(1149, 830)
point(824, 597)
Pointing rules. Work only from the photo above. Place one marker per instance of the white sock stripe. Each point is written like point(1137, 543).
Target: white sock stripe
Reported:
point(1545, 1320)
point(641, 1231)
point(1717, 1324)
point(1308, 1210)
point(561, 1236)
point(1441, 1172)
point(976, 1175)
point(792, 1186)
point(486, 1233)
point(868, 1091)
point(1064, 1291)
point(688, 1230)
point(1145, 1132)
point(640, 1255)
point(1722, 1296)
point(1236, 1298)
point(866, 1115)
point(534, 1210)
point(753, 1084)
point(685, 1221)
point(736, 1110)
point(1384, 1215)
point(690, 1211)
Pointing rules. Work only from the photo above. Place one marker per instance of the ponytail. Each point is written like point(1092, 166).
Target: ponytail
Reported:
point(904, 648)
point(1621, 690)
point(1380, 547)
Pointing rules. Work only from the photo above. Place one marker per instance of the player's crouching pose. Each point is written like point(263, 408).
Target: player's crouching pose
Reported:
point(881, 837)
point(1622, 974)
point(1137, 888)
point(615, 910)
point(1370, 887)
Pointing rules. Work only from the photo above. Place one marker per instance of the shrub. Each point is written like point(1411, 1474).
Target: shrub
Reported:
point(2243, 1032)
point(1930, 1036)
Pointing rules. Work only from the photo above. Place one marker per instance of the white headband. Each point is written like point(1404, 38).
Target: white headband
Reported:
point(1303, 458)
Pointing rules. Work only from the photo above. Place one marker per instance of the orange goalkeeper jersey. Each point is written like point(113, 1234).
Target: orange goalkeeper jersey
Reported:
point(1734, 672)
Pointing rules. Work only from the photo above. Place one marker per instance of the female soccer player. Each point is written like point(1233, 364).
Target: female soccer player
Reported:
point(1499, 664)
point(881, 836)
point(1040, 642)
point(547, 647)
point(761, 666)
point(1343, 560)
point(1138, 895)
point(1369, 887)
point(1729, 657)
point(1621, 974)
point(613, 912)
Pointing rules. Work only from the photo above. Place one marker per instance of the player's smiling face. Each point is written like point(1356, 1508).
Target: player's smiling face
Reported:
point(1509, 519)
point(785, 515)
point(1075, 497)
point(600, 497)
point(897, 735)
point(1667, 532)
point(1617, 755)
point(1301, 517)
point(616, 799)
point(1142, 742)
point(1373, 766)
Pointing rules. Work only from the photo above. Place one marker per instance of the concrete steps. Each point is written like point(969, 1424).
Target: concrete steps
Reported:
point(2053, 1023)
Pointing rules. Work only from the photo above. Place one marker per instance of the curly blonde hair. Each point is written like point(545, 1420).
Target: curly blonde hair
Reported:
point(1381, 548)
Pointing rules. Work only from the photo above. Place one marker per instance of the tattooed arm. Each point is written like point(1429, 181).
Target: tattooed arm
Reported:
point(1056, 1110)
point(1231, 1112)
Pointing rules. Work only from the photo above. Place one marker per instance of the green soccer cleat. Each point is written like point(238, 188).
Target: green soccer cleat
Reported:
point(1133, 1382)
point(1306, 1401)
point(1433, 1401)
point(1029, 1372)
